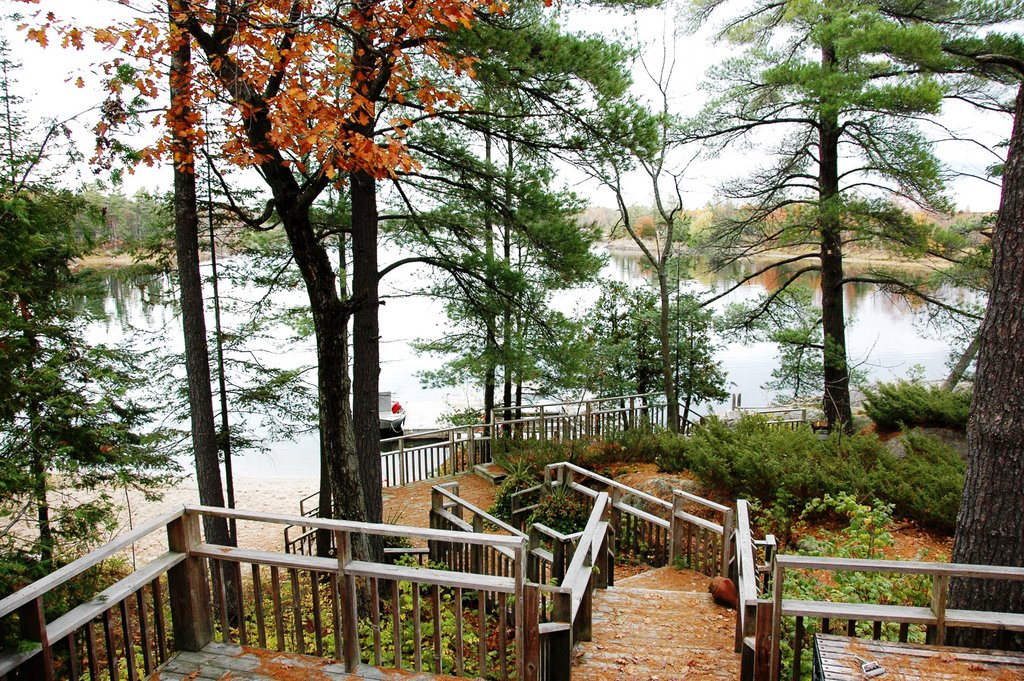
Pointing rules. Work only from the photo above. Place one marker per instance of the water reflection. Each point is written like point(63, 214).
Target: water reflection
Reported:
point(885, 338)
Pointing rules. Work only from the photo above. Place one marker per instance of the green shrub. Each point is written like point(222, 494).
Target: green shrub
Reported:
point(906, 404)
point(783, 469)
point(868, 530)
point(515, 482)
point(926, 484)
point(562, 510)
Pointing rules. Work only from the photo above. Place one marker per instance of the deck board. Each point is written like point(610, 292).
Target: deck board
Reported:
point(836, 660)
point(220, 661)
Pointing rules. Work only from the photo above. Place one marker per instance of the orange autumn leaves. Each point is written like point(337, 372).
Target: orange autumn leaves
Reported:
point(320, 87)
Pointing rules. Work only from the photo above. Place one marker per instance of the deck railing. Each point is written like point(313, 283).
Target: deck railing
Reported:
point(760, 620)
point(450, 621)
point(450, 451)
point(688, 530)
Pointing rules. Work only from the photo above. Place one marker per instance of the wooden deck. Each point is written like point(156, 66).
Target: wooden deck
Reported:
point(222, 661)
point(641, 634)
point(839, 658)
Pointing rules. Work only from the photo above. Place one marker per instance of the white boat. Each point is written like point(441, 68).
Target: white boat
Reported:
point(391, 414)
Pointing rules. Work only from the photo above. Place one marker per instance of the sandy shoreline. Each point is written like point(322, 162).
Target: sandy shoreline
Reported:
point(268, 495)
point(408, 505)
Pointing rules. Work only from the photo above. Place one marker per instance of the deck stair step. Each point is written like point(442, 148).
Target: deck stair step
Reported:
point(658, 635)
point(491, 471)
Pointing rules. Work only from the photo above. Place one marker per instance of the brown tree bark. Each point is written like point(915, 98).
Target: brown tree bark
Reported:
point(990, 526)
point(836, 405)
point(353, 499)
point(365, 338)
point(193, 320)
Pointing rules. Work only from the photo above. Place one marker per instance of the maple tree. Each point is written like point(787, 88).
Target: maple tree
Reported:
point(309, 88)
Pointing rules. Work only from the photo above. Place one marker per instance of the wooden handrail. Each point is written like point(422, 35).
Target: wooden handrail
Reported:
point(747, 587)
point(360, 527)
point(587, 545)
point(791, 562)
point(36, 589)
point(440, 489)
point(649, 498)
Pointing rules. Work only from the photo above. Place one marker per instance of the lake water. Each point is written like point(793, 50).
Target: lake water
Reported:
point(885, 339)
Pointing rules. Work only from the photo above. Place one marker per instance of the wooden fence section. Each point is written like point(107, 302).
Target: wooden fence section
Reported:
point(867, 620)
point(450, 512)
point(454, 622)
point(581, 418)
point(654, 531)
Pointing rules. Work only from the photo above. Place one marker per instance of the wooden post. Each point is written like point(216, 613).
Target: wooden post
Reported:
point(584, 616)
point(525, 616)
point(529, 662)
point(675, 542)
point(543, 425)
point(532, 562)
point(401, 461)
point(588, 428)
point(727, 527)
point(615, 515)
point(470, 448)
point(632, 412)
point(603, 560)
point(189, 587)
point(559, 654)
point(476, 551)
point(778, 577)
point(764, 647)
point(32, 620)
point(451, 452)
point(349, 602)
point(940, 594)
point(558, 555)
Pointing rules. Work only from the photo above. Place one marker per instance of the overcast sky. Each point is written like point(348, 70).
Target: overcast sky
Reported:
point(44, 84)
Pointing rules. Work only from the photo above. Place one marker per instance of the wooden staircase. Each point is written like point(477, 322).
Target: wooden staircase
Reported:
point(658, 634)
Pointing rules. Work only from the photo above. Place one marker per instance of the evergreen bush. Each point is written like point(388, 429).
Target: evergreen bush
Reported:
point(906, 404)
point(783, 469)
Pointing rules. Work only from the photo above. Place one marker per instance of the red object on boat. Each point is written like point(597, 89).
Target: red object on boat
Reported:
point(396, 408)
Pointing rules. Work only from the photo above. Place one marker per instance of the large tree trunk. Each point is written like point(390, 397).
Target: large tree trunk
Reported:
point(665, 346)
point(833, 317)
point(990, 526)
point(366, 337)
point(193, 320)
point(330, 319)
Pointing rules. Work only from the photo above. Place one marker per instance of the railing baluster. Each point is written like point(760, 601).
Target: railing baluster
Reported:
point(339, 644)
point(108, 644)
point(459, 662)
point(435, 607)
point(396, 622)
point(275, 595)
point(129, 638)
point(417, 633)
point(318, 638)
point(482, 633)
point(156, 587)
point(145, 636)
point(297, 628)
point(222, 601)
point(503, 636)
point(90, 651)
point(257, 597)
point(74, 664)
point(235, 573)
point(375, 620)
point(798, 645)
